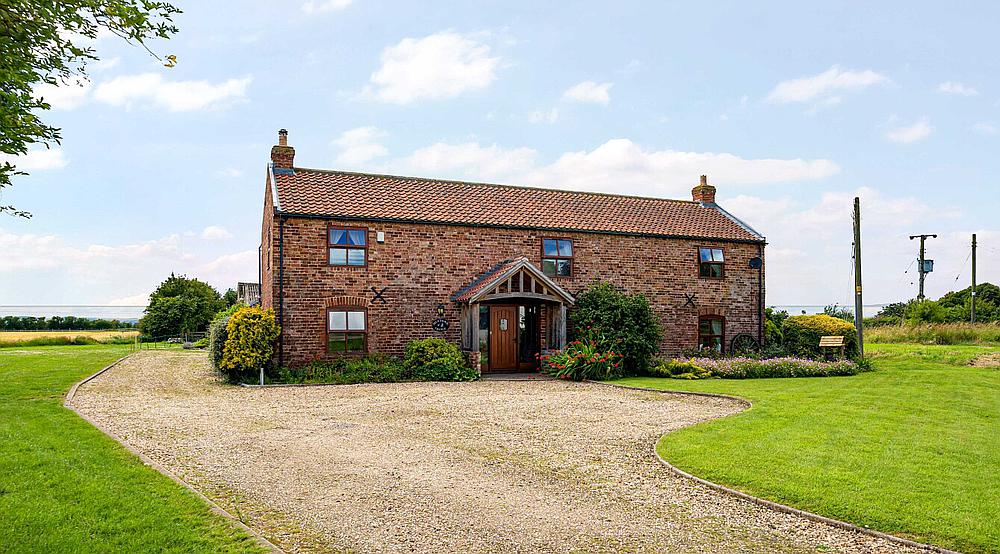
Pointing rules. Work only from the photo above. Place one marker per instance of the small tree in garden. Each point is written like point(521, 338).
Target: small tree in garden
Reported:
point(249, 344)
point(626, 324)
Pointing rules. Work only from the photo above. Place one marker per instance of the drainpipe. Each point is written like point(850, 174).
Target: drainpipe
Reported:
point(281, 290)
point(760, 296)
point(260, 274)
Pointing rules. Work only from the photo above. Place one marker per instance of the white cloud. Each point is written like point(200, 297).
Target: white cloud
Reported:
point(910, 133)
point(823, 87)
point(470, 160)
point(215, 232)
point(49, 268)
point(104, 65)
point(360, 145)
point(589, 92)
point(324, 6)
point(64, 96)
point(540, 116)
point(984, 128)
point(37, 159)
point(809, 247)
point(175, 96)
point(618, 165)
point(229, 173)
point(441, 65)
point(951, 87)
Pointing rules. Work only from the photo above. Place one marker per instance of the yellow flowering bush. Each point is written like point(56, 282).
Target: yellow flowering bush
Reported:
point(249, 345)
point(802, 333)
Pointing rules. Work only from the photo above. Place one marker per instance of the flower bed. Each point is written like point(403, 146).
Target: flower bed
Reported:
point(750, 368)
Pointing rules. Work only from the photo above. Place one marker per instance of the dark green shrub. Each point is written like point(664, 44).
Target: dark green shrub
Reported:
point(802, 334)
point(201, 343)
point(436, 359)
point(217, 340)
point(626, 323)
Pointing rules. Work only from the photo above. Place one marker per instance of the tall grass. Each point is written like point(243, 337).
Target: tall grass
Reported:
point(936, 333)
point(62, 341)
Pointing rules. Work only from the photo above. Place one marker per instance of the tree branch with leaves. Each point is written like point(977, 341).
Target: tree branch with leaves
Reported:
point(50, 42)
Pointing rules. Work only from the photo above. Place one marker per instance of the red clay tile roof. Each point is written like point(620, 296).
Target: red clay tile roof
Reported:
point(349, 195)
point(493, 275)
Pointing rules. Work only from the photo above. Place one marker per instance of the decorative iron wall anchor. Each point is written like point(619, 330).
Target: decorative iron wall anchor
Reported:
point(378, 295)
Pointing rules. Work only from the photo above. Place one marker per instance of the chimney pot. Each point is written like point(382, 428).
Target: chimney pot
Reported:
point(704, 192)
point(282, 155)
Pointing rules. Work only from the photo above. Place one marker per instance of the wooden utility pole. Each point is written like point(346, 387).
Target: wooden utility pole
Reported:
point(922, 269)
point(858, 305)
point(973, 277)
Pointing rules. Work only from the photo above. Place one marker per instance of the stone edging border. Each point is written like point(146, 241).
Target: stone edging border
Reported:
point(213, 507)
point(767, 503)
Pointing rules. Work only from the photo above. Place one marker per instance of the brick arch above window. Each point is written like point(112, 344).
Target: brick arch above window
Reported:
point(346, 301)
point(720, 312)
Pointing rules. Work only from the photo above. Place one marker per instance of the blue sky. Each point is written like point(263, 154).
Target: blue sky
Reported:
point(791, 109)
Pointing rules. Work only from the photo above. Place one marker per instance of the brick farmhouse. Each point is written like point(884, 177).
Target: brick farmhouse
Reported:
point(355, 263)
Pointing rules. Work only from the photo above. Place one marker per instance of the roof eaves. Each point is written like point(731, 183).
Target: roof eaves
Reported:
point(274, 186)
point(737, 221)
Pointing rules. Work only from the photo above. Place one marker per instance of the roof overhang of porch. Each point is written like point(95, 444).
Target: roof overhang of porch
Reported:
point(513, 279)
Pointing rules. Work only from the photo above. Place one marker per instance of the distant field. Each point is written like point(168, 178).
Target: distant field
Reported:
point(18, 336)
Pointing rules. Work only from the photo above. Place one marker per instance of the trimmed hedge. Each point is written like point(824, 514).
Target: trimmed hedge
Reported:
point(436, 359)
point(802, 333)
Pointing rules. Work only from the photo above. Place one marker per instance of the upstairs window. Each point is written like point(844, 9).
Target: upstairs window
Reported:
point(557, 257)
point(711, 333)
point(347, 330)
point(710, 263)
point(348, 246)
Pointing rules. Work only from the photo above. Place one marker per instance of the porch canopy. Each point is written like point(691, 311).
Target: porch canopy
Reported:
point(513, 281)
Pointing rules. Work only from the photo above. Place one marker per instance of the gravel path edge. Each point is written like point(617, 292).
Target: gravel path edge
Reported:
point(768, 503)
point(213, 507)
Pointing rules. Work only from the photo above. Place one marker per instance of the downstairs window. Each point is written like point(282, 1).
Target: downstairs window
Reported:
point(711, 333)
point(347, 330)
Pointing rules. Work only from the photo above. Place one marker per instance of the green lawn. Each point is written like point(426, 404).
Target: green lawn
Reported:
point(66, 487)
point(912, 448)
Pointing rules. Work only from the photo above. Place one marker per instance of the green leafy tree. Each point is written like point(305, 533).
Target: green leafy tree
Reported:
point(230, 298)
point(48, 42)
point(180, 305)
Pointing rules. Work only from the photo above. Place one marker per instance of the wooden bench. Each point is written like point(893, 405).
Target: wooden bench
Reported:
point(832, 342)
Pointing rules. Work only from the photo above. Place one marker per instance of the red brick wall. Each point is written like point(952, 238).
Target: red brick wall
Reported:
point(422, 265)
point(268, 249)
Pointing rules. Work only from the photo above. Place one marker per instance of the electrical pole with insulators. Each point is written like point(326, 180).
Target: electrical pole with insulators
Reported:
point(973, 319)
point(858, 305)
point(925, 266)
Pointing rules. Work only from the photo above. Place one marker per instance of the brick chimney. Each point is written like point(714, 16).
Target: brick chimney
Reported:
point(704, 192)
point(282, 155)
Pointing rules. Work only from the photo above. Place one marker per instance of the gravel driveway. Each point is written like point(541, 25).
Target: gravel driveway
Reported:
point(490, 466)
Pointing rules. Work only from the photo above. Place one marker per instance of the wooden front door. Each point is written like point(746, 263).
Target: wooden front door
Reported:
point(503, 337)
